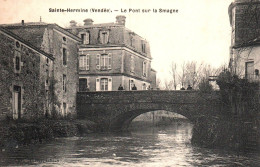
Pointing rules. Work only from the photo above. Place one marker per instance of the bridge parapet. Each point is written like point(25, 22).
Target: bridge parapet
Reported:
point(116, 109)
point(145, 97)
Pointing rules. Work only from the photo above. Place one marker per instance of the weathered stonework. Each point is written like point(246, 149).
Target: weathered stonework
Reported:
point(244, 19)
point(62, 45)
point(30, 78)
point(115, 110)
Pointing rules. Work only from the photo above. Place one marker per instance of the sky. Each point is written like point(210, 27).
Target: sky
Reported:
point(200, 31)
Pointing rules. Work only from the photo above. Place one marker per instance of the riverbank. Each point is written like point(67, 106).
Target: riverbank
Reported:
point(15, 133)
point(229, 132)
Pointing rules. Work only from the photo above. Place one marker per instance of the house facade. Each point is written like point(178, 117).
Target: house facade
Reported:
point(111, 56)
point(43, 66)
point(245, 38)
point(63, 46)
point(25, 74)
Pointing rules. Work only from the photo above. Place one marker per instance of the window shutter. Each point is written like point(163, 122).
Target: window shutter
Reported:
point(109, 84)
point(97, 84)
point(109, 60)
point(98, 61)
point(87, 38)
point(80, 61)
point(87, 62)
point(84, 62)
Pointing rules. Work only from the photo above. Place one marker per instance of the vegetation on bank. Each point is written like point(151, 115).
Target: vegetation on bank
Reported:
point(14, 133)
point(237, 127)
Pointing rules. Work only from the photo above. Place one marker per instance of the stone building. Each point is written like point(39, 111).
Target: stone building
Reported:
point(25, 74)
point(111, 55)
point(43, 66)
point(63, 46)
point(245, 40)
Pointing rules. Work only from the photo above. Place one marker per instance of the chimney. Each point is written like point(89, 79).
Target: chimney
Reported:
point(120, 20)
point(88, 22)
point(73, 23)
point(22, 22)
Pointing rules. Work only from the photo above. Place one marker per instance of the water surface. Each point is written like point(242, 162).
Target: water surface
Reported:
point(165, 146)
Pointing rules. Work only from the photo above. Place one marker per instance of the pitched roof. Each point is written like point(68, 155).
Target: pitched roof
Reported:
point(33, 32)
point(7, 32)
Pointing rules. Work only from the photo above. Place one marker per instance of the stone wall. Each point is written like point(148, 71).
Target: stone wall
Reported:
point(67, 96)
point(31, 78)
point(245, 24)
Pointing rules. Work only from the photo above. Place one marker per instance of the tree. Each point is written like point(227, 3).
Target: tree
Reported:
point(182, 75)
point(174, 74)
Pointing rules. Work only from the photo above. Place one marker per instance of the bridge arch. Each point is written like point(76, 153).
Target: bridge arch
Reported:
point(115, 110)
point(123, 121)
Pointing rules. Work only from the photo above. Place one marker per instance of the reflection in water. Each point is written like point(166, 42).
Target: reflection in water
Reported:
point(151, 147)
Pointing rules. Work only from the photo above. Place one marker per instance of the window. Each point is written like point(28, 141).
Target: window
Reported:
point(46, 84)
point(17, 62)
point(64, 55)
point(85, 38)
point(143, 47)
point(64, 108)
point(83, 85)
point(17, 44)
point(64, 80)
point(104, 61)
point(47, 61)
point(104, 84)
point(64, 39)
point(103, 37)
point(84, 62)
point(144, 69)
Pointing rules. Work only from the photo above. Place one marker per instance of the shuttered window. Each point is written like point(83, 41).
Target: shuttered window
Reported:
point(104, 61)
point(84, 62)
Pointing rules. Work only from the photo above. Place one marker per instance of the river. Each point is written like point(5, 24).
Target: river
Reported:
point(165, 146)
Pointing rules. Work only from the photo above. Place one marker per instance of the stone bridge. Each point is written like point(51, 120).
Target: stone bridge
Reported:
point(115, 110)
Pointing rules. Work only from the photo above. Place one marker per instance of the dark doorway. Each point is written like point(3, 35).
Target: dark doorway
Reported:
point(83, 85)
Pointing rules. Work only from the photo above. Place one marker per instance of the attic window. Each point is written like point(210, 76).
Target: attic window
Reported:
point(64, 39)
point(143, 47)
point(104, 37)
point(85, 37)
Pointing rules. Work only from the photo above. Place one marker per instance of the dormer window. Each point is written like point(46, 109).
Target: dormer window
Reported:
point(143, 47)
point(85, 38)
point(104, 37)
